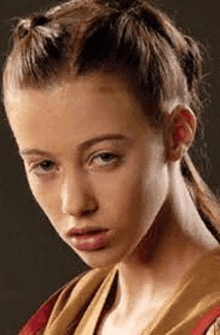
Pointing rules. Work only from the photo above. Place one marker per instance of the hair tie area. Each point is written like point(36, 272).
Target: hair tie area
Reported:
point(123, 5)
point(26, 25)
point(23, 28)
point(39, 20)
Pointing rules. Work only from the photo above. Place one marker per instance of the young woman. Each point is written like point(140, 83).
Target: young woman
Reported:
point(102, 98)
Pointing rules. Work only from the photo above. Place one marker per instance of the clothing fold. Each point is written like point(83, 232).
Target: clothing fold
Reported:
point(191, 309)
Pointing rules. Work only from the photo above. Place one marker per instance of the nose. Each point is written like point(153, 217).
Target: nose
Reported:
point(77, 197)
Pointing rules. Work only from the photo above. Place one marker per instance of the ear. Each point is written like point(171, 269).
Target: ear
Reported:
point(180, 131)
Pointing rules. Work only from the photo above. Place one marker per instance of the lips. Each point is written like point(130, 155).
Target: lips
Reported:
point(88, 238)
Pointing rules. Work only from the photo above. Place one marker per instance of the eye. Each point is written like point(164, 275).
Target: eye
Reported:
point(105, 159)
point(43, 167)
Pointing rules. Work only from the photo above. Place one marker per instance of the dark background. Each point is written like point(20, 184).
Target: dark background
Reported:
point(33, 260)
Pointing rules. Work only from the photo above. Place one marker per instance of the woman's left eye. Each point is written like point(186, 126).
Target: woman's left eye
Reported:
point(105, 158)
point(43, 168)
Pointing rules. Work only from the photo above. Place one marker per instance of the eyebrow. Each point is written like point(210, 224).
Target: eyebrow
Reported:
point(81, 146)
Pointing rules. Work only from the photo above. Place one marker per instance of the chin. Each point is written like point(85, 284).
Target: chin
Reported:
point(99, 258)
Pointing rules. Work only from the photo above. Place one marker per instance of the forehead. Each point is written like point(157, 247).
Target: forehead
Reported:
point(75, 110)
point(78, 90)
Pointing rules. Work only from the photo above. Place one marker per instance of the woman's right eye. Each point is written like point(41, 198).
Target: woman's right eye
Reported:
point(44, 167)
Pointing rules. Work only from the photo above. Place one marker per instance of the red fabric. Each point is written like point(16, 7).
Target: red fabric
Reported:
point(39, 319)
point(206, 321)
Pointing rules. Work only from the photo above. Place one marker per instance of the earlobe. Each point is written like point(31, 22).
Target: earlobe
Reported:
point(180, 132)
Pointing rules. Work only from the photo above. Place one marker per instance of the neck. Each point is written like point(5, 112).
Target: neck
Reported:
point(177, 239)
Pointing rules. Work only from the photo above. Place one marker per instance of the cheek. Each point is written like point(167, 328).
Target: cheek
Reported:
point(47, 196)
point(136, 194)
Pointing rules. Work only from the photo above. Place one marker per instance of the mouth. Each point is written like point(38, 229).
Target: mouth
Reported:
point(88, 239)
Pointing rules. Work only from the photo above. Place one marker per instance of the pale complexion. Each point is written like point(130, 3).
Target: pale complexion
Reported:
point(93, 160)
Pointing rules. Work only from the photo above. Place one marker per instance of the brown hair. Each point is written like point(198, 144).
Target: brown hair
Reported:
point(82, 36)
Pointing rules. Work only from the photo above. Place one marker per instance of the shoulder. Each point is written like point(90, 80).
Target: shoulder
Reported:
point(207, 288)
point(80, 287)
point(39, 319)
point(195, 304)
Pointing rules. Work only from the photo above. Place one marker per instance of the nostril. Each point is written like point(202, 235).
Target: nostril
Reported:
point(89, 211)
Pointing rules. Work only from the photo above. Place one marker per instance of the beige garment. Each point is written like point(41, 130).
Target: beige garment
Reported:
point(77, 310)
point(70, 303)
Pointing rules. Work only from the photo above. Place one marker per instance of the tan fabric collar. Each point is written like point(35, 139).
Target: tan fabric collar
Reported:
point(90, 319)
point(196, 292)
point(71, 303)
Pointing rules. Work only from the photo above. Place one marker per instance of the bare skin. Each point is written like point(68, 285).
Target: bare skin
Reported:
point(87, 145)
point(144, 286)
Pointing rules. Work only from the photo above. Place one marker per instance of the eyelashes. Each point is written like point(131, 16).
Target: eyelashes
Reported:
point(44, 167)
point(102, 160)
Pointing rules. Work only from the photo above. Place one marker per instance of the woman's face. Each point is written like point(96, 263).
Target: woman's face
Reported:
point(94, 165)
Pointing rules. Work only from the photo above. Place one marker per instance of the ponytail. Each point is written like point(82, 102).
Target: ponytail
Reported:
point(205, 201)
